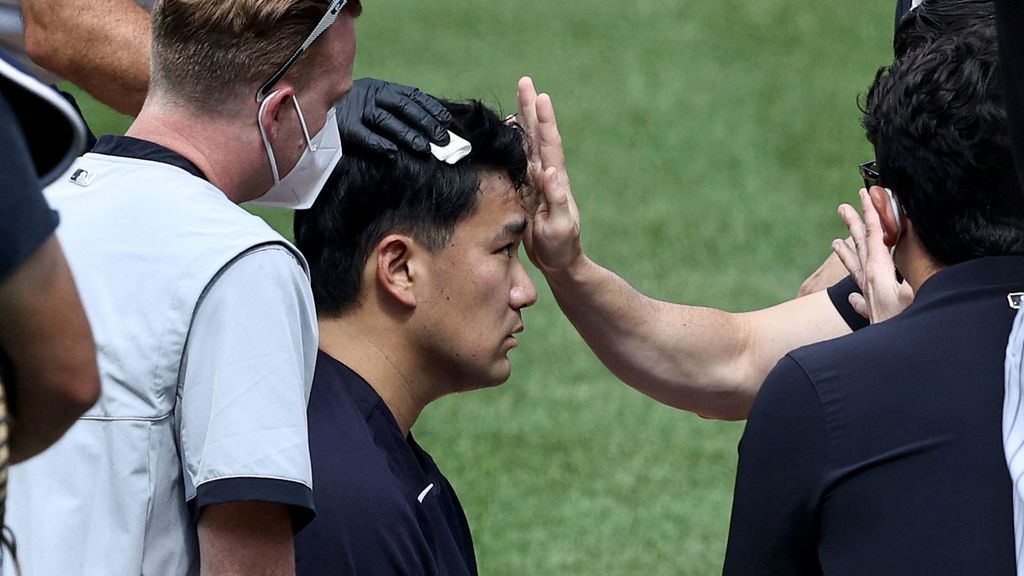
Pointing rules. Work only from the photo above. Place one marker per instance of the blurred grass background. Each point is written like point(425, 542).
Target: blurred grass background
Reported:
point(709, 144)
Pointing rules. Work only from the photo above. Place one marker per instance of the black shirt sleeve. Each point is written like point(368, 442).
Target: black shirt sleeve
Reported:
point(840, 296)
point(1010, 20)
point(26, 221)
point(774, 523)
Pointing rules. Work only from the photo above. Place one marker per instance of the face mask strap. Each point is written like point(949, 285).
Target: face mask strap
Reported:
point(302, 121)
point(266, 141)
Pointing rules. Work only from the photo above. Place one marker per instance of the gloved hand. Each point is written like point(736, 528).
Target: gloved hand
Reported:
point(377, 116)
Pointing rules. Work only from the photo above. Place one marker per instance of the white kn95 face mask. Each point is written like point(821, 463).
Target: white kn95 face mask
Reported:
point(299, 188)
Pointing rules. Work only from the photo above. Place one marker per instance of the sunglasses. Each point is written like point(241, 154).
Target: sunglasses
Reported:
point(869, 172)
point(330, 16)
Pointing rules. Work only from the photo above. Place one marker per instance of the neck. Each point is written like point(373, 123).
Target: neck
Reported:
point(914, 262)
point(374, 352)
point(211, 143)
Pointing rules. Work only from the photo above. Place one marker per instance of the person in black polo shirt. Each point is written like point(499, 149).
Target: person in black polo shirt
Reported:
point(419, 291)
point(881, 452)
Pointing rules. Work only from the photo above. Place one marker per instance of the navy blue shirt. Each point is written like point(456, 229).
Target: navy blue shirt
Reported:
point(26, 221)
point(882, 452)
point(383, 507)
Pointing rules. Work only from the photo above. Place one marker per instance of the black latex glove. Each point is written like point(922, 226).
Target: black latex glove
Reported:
point(378, 116)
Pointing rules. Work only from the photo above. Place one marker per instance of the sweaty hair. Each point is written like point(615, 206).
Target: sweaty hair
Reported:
point(207, 52)
point(367, 198)
point(937, 119)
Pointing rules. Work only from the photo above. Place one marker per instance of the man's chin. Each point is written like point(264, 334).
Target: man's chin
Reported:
point(498, 374)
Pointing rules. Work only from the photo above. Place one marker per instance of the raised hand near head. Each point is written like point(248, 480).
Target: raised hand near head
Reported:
point(553, 238)
point(871, 264)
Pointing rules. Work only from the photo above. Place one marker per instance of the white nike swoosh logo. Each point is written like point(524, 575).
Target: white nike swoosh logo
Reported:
point(424, 493)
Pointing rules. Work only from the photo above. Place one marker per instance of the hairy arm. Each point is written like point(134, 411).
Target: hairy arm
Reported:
point(698, 359)
point(45, 334)
point(100, 45)
point(246, 539)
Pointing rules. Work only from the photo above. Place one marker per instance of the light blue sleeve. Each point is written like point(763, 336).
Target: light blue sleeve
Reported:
point(246, 377)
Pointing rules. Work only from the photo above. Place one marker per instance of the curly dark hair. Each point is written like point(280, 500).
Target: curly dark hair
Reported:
point(368, 197)
point(937, 119)
point(935, 18)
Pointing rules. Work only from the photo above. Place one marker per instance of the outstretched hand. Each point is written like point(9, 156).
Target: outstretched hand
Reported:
point(377, 116)
point(871, 265)
point(553, 237)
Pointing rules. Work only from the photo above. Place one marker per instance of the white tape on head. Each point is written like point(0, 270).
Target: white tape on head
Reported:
point(457, 149)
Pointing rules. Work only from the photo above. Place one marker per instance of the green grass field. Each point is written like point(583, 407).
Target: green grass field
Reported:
point(709, 144)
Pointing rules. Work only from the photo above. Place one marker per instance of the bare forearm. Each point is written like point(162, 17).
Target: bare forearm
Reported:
point(689, 357)
point(47, 338)
point(698, 359)
point(246, 539)
point(100, 45)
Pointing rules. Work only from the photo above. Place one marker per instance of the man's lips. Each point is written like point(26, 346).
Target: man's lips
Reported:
point(511, 338)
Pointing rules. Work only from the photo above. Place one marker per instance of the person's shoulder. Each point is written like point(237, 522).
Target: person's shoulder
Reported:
point(872, 341)
point(348, 440)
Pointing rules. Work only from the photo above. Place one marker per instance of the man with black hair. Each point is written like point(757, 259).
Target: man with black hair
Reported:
point(419, 290)
point(881, 452)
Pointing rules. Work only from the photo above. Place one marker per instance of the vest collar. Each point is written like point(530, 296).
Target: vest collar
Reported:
point(128, 147)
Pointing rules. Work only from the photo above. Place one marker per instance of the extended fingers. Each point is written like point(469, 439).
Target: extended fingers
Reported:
point(527, 99)
point(855, 225)
point(417, 117)
point(552, 154)
point(873, 225)
point(878, 261)
point(397, 130)
point(848, 256)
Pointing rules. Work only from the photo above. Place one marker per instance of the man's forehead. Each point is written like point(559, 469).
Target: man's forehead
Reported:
point(499, 209)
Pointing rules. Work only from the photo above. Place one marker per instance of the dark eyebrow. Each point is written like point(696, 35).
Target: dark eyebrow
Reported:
point(511, 230)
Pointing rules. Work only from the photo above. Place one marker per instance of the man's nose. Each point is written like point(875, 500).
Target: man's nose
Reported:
point(523, 293)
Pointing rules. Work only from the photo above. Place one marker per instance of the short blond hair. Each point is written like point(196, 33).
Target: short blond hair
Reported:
point(206, 53)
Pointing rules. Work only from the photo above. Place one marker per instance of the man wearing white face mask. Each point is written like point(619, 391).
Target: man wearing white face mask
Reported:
point(195, 459)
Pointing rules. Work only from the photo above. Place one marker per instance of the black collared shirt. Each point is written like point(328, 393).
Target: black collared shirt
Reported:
point(383, 507)
point(881, 452)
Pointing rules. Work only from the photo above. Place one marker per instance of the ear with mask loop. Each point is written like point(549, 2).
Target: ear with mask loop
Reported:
point(299, 188)
point(266, 141)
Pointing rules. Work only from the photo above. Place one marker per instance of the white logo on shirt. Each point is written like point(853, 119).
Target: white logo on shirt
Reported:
point(424, 493)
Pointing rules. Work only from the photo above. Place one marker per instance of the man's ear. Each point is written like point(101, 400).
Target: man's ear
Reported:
point(889, 220)
point(272, 109)
point(395, 273)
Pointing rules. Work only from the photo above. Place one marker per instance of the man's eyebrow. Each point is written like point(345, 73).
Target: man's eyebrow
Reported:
point(512, 229)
